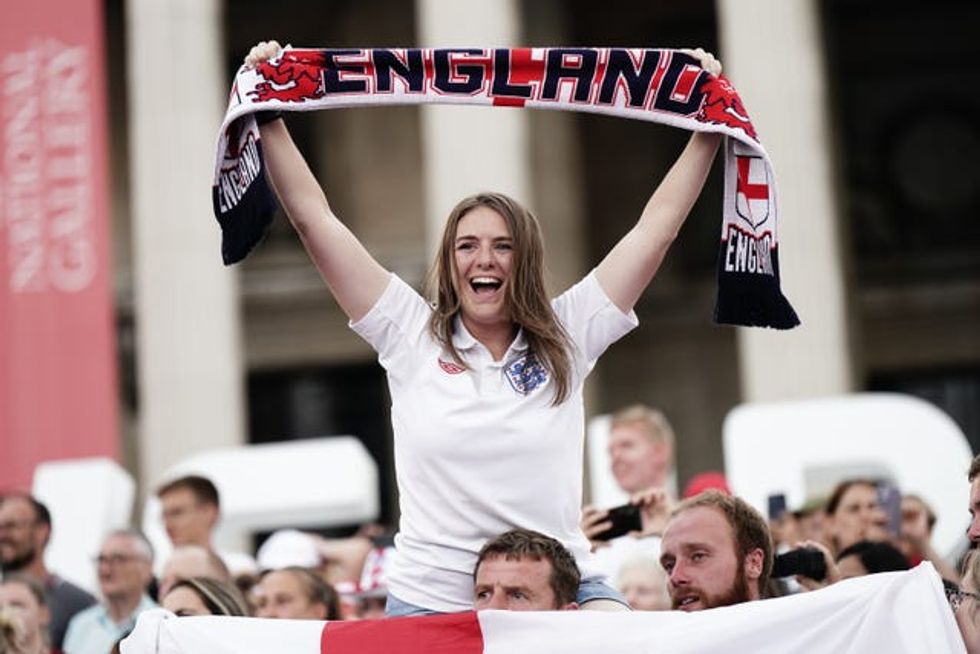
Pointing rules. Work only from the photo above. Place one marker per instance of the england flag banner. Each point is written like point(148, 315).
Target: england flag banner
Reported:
point(896, 612)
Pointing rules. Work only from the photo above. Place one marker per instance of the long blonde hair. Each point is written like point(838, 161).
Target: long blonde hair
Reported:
point(526, 297)
point(11, 633)
point(13, 637)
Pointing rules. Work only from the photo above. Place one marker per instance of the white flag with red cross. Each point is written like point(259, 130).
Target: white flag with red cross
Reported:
point(898, 613)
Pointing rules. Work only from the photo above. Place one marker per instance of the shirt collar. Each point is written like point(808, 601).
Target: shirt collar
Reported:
point(520, 342)
point(130, 620)
point(463, 340)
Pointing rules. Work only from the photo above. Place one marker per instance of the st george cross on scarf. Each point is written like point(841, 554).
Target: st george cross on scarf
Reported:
point(655, 85)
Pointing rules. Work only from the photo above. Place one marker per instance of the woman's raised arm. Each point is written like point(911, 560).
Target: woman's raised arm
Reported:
point(628, 268)
point(354, 277)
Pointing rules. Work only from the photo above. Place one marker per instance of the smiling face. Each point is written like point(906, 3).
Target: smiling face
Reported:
point(699, 555)
point(482, 259)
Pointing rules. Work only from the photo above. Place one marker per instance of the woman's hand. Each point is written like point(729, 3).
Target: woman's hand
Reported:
point(707, 60)
point(261, 52)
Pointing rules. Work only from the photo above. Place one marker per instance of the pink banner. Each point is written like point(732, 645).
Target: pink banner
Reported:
point(58, 394)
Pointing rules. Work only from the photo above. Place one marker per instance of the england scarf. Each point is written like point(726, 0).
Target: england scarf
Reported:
point(898, 613)
point(661, 86)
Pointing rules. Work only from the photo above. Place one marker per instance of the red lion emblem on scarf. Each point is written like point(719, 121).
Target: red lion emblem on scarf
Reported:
point(295, 78)
point(722, 106)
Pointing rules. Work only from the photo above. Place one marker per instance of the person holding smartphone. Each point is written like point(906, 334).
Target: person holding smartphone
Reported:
point(641, 457)
point(485, 375)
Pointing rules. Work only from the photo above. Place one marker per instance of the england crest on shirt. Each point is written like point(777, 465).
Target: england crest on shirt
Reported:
point(526, 374)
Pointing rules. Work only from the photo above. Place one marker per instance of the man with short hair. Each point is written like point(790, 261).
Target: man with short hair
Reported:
point(25, 531)
point(641, 449)
point(125, 568)
point(716, 551)
point(973, 476)
point(523, 570)
point(190, 507)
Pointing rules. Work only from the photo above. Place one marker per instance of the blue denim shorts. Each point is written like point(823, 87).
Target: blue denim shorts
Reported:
point(595, 589)
point(588, 590)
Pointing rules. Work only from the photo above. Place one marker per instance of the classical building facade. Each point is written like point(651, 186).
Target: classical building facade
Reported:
point(869, 115)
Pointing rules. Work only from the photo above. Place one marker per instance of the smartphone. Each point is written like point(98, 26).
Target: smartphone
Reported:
point(890, 499)
point(777, 506)
point(625, 518)
point(805, 561)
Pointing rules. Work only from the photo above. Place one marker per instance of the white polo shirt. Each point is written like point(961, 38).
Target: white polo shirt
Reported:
point(480, 451)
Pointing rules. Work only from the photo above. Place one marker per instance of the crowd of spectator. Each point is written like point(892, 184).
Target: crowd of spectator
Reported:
point(704, 550)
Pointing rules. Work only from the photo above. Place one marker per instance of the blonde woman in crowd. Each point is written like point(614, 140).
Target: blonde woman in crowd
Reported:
point(23, 616)
point(295, 593)
point(204, 596)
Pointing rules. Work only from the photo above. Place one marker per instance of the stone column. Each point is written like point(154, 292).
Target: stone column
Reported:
point(773, 53)
point(470, 149)
point(188, 333)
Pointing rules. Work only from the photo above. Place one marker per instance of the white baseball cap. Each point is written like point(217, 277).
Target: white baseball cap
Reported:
point(288, 547)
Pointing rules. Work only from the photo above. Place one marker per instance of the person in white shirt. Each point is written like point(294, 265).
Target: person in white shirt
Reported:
point(641, 459)
point(486, 382)
point(125, 569)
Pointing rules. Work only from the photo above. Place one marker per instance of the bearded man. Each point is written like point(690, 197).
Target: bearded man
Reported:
point(716, 551)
